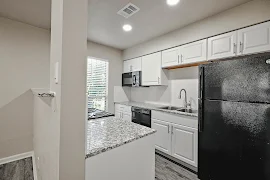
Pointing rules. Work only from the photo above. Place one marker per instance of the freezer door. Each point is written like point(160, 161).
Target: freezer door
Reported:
point(235, 141)
point(246, 79)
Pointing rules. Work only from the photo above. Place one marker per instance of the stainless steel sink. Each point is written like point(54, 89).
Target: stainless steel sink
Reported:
point(187, 110)
point(179, 109)
point(172, 108)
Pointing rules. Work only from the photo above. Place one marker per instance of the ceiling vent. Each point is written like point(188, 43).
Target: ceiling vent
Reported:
point(129, 10)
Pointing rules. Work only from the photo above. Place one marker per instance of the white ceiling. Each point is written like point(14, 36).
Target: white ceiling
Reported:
point(105, 26)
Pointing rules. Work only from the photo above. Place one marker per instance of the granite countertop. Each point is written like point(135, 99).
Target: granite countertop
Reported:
point(156, 107)
point(108, 133)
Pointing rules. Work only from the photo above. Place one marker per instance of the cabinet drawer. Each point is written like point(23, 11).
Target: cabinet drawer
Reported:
point(123, 108)
point(176, 119)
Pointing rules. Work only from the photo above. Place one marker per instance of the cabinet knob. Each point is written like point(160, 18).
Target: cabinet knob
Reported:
point(168, 129)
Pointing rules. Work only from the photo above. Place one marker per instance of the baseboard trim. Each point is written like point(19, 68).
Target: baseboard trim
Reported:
point(18, 157)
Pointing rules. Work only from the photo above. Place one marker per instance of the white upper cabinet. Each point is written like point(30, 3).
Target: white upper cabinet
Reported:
point(186, 54)
point(170, 57)
point(152, 73)
point(193, 52)
point(222, 46)
point(136, 64)
point(254, 39)
point(132, 65)
point(127, 66)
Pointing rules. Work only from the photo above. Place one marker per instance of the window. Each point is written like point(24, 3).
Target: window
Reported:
point(97, 83)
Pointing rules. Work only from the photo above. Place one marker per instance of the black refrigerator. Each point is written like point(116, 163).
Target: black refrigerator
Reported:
point(234, 119)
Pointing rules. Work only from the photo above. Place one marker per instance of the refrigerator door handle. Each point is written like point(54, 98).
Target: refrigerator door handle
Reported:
point(200, 121)
point(201, 82)
point(201, 97)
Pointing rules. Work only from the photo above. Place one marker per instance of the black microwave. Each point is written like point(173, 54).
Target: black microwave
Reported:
point(132, 79)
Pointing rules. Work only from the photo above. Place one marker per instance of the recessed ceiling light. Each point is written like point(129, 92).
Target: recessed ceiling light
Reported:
point(127, 27)
point(172, 2)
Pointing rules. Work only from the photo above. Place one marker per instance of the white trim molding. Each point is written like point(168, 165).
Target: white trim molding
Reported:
point(20, 157)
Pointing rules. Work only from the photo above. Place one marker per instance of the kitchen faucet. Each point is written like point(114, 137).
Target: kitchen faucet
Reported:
point(180, 97)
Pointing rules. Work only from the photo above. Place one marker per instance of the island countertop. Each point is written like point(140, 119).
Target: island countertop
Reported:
point(108, 133)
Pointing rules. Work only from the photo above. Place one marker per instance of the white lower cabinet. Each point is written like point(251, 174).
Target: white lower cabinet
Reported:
point(163, 136)
point(118, 114)
point(184, 144)
point(126, 116)
point(177, 136)
point(123, 112)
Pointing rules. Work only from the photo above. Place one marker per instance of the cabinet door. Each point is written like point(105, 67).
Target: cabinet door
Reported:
point(136, 64)
point(185, 144)
point(126, 117)
point(151, 69)
point(194, 52)
point(170, 57)
point(127, 66)
point(162, 136)
point(118, 114)
point(222, 46)
point(254, 39)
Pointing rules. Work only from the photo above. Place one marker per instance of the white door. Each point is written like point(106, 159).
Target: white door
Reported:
point(194, 52)
point(127, 66)
point(184, 144)
point(170, 57)
point(126, 116)
point(162, 136)
point(254, 39)
point(222, 46)
point(118, 114)
point(151, 69)
point(136, 64)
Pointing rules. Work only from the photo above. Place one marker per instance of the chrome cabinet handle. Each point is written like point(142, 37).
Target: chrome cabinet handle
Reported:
point(172, 129)
point(168, 129)
point(178, 59)
point(234, 48)
point(241, 44)
point(181, 58)
point(158, 80)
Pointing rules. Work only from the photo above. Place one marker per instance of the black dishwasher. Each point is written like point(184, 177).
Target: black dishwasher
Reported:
point(141, 116)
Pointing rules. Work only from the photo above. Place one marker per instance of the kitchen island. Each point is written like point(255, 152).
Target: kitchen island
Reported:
point(122, 149)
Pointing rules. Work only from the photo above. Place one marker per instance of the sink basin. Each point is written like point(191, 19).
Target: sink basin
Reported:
point(187, 111)
point(171, 108)
point(179, 109)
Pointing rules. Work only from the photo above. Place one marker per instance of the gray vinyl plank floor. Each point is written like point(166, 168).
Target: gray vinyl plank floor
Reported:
point(167, 170)
point(17, 170)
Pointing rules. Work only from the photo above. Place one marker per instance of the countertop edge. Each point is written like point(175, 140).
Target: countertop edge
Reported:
point(99, 151)
point(157, 109)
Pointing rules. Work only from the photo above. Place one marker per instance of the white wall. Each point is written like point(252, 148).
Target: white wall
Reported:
point(24, 64)
point(244, 15)
point(185, 78)
point(114, 56)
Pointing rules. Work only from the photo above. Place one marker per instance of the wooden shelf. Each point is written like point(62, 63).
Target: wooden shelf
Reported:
point(186, 65)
